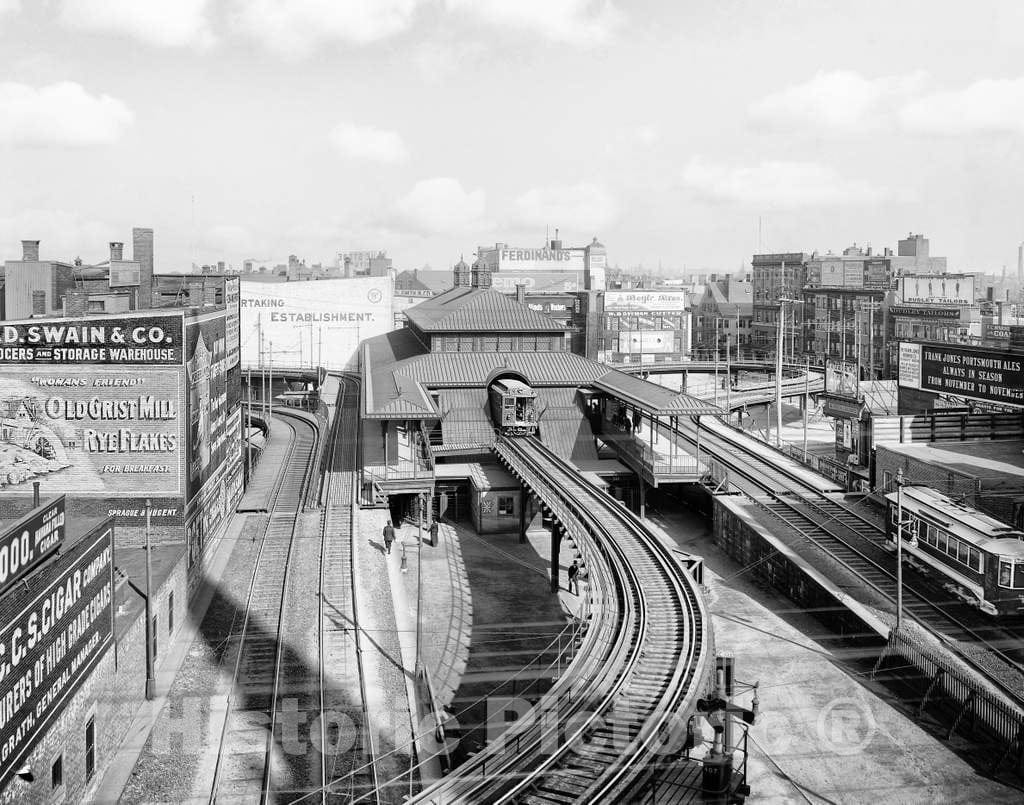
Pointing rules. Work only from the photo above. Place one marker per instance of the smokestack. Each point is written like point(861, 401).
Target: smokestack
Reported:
point(520, 293)
point(142, 253)
point(38, 303)
point(30, 251)
point(116, 251)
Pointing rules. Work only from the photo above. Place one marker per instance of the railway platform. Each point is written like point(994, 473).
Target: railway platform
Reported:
point(825, 733)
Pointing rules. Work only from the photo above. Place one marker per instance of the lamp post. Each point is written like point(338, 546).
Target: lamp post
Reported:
point(419, 580)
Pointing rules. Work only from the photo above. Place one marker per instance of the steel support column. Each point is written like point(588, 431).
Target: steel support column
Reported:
point(556, 540)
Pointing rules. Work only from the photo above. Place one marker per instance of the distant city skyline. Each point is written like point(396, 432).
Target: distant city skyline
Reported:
point(675, 134)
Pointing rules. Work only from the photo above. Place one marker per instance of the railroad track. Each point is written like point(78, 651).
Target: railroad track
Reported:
point(246, 753)
point(643, 661)
point(855, 542)
point(350, 772)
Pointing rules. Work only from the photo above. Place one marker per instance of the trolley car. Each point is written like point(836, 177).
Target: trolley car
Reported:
point(513, 407)
point(980, 558)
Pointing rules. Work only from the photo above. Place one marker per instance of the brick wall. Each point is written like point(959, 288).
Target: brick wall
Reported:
point(959, 485)
point(111, 694)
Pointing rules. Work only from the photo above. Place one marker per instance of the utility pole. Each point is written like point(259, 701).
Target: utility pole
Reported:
point(150, 683)
point(419, 581)
point(807, 398)
point(899, 548)
point(778, 370)
point(270, 395)
point(716, 360)
point(728, 376)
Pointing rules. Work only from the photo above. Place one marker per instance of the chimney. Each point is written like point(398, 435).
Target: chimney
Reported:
point(30, 251)
point(521, 293)
point(116, 251)
point(349, 269)
point(38, 303)
point(142, 253)
point(76, 303)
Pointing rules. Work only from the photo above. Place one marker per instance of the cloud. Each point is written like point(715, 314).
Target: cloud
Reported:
point(9, 6)
point(585, 23)
point(986, 106)
point(63, 235)
point(586, 206)
point(838, 100)
point(369, 144)
point(61, 114)
point(778, 184)
point(155, 22)
point(295, 27)
point(440, 205)
point(437, 61)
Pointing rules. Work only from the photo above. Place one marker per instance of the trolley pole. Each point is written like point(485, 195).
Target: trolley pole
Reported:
point(899, 548)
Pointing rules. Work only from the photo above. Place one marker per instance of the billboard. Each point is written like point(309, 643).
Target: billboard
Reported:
point(543, 259)
point(841, 378)
point(151, 340)
point(970, 372)
point(232, 299)
point(653, 301)
point(647, 341)
point(54, 632)
point(90, 430)
point(937, 289)
point(540, 281)
point(30, 541)
point(315, 323)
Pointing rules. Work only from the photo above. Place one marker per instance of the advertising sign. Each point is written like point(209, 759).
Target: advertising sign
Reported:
point(232, 299)
point(925, 311)
point(151, 340)
point(970, 372)
point(53, 634)
point(645, 300)
point(649, 341)
point(31, 540)
point(540, 281)
point(910, 365)
point(93, 430)
point(841, 378)
point(309, 324)
point(935, 289)
point(510, 259)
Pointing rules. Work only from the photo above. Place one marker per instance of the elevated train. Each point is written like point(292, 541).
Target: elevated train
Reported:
point(513, 407)
point(980, 558)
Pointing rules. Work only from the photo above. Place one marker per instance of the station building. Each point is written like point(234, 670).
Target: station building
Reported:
point(427, 423)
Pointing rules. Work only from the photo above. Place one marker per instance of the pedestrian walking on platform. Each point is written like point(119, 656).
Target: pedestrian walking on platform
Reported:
point(574, 572)
point(389, 536)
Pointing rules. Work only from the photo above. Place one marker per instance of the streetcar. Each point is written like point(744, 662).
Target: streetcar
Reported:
point(513, 407)
point(980, 558)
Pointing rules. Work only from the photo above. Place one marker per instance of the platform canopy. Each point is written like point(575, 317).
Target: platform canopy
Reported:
point(652, 398)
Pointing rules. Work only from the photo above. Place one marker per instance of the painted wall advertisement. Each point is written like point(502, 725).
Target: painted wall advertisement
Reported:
point(972, 373)
point(841, 378)
point(54, 632)
point(30, 541)
point(89, 430)
point(152, 340)
point(508, 258)
point(953, 289)
point(653, 301)
point(540, 281)
point(232, 303)
point(309, 324)
point(647, 341)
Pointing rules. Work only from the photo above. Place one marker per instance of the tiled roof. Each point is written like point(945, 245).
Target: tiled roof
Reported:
point(656, 399)
point(471, 369)
point(465, 418)
point(563, 428)
point(477, 310)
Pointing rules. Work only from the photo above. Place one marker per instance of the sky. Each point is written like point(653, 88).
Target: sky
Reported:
point(683, 134)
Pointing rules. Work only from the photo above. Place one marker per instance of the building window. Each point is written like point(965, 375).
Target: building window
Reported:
point(887, 481)
point(57, 773)
point(170, 612)
point(506, 506)
point(90, 747)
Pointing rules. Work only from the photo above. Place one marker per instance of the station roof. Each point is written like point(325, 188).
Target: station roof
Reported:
point(652, 398)
point(477, 310)
point(397, 374)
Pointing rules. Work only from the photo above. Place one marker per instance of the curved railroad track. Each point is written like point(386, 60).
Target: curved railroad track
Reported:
point(644, 659)
point(245, 758)
point(854, 542)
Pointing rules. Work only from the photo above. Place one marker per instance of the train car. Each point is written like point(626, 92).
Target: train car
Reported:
point(513, 407)
point(980, 558)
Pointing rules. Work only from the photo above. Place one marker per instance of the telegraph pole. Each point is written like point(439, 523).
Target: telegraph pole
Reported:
point(780, 331)
point(899, 548)
point(150, 682)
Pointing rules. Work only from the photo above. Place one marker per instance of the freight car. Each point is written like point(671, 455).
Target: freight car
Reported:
point(979, 558)
point(513, 407)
